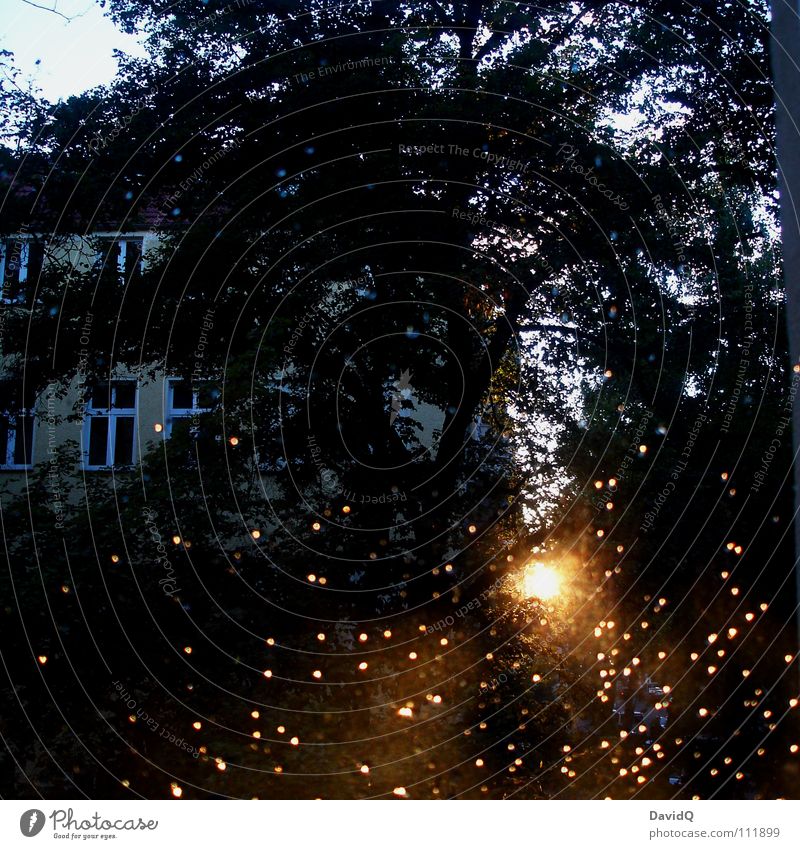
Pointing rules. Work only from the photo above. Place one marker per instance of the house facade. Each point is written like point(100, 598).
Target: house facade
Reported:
point(111, 423)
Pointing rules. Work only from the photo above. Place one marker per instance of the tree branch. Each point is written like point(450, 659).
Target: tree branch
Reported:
point(54, 10)
point(517, 20)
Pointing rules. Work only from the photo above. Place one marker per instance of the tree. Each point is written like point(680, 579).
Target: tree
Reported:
point(441, 294)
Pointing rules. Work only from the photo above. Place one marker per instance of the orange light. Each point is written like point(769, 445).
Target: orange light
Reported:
point(541, 581)
point(234, 440)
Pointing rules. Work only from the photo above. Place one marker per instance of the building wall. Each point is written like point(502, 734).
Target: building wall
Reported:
point(58, 409)
point(60, 419)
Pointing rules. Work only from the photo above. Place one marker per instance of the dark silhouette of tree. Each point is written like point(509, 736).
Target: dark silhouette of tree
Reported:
point(442, 295)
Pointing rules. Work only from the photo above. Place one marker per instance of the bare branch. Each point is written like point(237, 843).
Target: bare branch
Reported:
point(54, 10)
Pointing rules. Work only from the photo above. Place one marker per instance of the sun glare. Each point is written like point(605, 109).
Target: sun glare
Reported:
point(541, 582)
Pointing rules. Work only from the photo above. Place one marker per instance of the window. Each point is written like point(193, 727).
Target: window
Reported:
point(16, 429)
point(186, 401)
point(16, 440)
point(21, 261)
point(123, 256)
point(110, 425)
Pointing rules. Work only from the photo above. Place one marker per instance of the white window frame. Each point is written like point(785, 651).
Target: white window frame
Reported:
point(111, 413)
point(121, 243)
point(24, 254)
point(171, 412)
point(7, 463)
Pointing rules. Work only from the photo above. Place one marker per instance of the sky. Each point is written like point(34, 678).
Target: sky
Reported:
point(72, 55)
